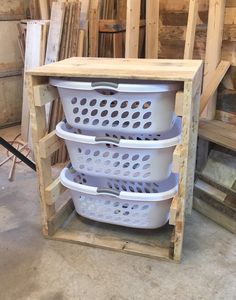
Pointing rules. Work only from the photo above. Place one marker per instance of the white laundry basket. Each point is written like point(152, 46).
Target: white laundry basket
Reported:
point(118, 107)
point(138, 160)
point(127, 203)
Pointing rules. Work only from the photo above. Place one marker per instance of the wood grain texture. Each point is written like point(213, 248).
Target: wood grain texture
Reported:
point(132, 28)
point(191, 29)
point(152, 29)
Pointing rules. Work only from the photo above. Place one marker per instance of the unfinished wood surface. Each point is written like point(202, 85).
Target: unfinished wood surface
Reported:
point(44, 9)
point(55, 32)
point(153, 244)
point(34, 57)
point(132, 28)
point(225, 117)
point(219, 132)
point(152, 29)
point(45, 93)
point(64, 224)
point(175, 70)
point(213, 49)
point(39, 130)
point(94, 10)
point(191, 29)
point(215, 214)
point(212, 86)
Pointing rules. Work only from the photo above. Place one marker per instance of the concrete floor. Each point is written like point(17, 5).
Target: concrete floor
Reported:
point(34, 268)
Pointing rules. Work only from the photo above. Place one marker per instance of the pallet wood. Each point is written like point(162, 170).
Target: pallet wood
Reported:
point(132, 28)
point(213, 49)
point(62, 223)
point(191, 29)
point(152, 29)
point(55, 32)
point(219, 132)
point(34, 57)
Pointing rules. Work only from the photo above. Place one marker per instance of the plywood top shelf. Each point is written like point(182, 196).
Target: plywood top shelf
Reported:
point(139, 69)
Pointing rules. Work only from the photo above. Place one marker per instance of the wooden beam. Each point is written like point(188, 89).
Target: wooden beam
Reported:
point(49, 144)
point(212, 86)
point(152, 29)
point(44, 93)
point(54, 190)
point(191, 29)
point(213, 49)
point(173, 210)
point(55, 32)
point(177, 158)
point(132, 28)
point(94, 11)
point(44, 9)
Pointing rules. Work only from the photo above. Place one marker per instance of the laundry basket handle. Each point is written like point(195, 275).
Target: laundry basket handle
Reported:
point(108, 191)
point(107, 139)
point(105, 84)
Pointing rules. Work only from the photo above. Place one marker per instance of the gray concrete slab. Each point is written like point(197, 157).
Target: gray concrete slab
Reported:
point(34, 268)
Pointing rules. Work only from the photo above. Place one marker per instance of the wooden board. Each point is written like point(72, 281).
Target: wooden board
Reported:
point(55, 32)
point(132, 28)
point(219, 132)
point(213, 49)
point(109, 68)
point(191, 29)
point(152, 29)
point(34, 57)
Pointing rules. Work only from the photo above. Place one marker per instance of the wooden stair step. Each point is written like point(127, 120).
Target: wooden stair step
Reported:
point(218, 132)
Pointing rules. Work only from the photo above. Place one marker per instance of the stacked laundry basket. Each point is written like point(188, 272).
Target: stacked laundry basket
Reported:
point(120, 138)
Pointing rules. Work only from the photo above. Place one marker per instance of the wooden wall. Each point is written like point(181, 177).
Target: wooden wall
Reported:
point(10, 62)
point(173, 21)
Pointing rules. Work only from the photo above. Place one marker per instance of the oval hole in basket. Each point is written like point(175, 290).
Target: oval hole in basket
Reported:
point(135, 104)
point(113, 103)
point(103, 103)
point(135, 157)
point(84, 111)
point(124, 104)
point(93, 102)
point(124, 188)
point(83, 101)
point(75, 110)
point(117, 172)
point(126, 165)
point(136, 174)
point(105, 154)
point(95, 122)
point(125, 205)
point(105, 122)
point(145, 207)
point(87, 151)
point(146, 104)
point(107, 171)
point(94, 112)
point(125, 124)
point(126, 213)
point(116, 164)
point(147, 125)
point(79, 150)
point(125, 156)
point(86, 121)
point(74, 100)
point(115, 155)
point(147, 115)
point(96, 153)
point(146, 157)
point(136, 124)
point(114, 113)
point(115, 123)
point(135, 166)
point(107, 162)
point(77, 119)
point(135, 206)
point(125, 114)
point(131, 188)
point(135, 115)
point(104, 113)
